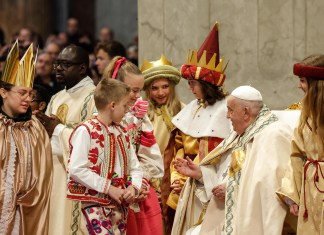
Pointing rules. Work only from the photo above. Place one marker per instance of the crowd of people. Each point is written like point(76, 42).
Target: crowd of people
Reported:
point(82, 152)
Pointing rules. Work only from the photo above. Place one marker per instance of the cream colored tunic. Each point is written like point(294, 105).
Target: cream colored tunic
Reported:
point(72, 106)
point(303, 149)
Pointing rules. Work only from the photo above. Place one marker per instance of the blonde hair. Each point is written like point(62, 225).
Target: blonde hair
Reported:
point(313, 104)
point(126, 67)
point(109, 90)
point(173, 103)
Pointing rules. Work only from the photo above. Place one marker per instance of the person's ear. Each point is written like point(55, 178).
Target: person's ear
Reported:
point(42, 106)
point(113, 105)
point(3, 93)
point(246, 112)
point(83, 69)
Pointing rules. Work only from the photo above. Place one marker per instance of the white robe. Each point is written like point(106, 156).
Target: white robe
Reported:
point(72, 106)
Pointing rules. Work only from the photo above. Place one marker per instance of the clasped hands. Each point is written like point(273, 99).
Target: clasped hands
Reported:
point(122, 196)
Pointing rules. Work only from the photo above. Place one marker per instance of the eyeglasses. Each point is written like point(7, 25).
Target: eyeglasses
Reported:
point(23, 94)
point(65, 64)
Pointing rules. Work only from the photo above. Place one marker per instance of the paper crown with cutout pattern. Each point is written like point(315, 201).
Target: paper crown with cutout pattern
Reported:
point(205, 64)
point(161, 68)
point(20, 72)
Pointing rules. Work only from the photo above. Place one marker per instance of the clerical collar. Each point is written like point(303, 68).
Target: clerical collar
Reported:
point(86, 81)
point(22, 118)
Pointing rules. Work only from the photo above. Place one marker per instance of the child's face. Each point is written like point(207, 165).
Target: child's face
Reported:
point(195, 88)
point(120, 109)
point(303, 85)
point(160, 91)
point(16, 101)
point(136, 84)
point(34, 104)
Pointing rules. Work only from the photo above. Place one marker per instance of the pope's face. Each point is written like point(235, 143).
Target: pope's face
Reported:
point(236, 114)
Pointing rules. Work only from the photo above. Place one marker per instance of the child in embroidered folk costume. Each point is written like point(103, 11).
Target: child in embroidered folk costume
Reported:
point(146, 218)
point(303, 187)
point(25, 152)
point(161, 79)
point(104, 173)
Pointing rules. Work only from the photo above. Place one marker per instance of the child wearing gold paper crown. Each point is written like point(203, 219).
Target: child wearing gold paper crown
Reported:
point(104, 173)
point(161, 79)
point(25, 152)
point(146, 218)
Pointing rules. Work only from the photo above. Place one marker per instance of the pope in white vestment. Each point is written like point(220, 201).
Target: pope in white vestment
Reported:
point(258, 152)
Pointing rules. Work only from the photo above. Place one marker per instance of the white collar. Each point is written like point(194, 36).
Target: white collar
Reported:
point(84, 82)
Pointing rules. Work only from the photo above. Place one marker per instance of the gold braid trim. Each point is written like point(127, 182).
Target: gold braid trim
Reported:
point(166, 117)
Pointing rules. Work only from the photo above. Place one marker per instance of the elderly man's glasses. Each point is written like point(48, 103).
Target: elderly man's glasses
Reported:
point(65, 64)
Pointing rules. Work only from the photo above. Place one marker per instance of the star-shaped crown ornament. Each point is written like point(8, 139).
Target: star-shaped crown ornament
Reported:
point(161, 68)
point(162, 61)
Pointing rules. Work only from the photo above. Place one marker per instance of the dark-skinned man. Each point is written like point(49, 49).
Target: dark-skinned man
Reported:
point(66, 110)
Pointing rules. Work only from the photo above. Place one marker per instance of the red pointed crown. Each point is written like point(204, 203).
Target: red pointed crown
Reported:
point(205, 63)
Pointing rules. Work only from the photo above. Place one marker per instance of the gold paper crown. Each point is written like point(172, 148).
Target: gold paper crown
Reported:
point(162, 61)
point(192, 59)
point(20, 73)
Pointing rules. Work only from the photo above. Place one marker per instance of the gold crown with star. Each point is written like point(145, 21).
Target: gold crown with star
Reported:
point(161, 68)
point(20, 72)
point(162, 61)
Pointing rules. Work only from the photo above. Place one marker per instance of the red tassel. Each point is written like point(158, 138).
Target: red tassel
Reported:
point(305, 214)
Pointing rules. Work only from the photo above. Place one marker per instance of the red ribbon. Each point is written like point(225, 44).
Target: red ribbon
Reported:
point(316, 163)
point(118, 64)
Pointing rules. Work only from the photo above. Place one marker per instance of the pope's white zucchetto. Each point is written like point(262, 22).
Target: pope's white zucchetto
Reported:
point(247, 93)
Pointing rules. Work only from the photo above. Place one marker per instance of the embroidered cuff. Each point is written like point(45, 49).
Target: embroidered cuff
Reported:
point(106, 186)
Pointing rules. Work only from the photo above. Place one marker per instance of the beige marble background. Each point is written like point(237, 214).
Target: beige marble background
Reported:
point(262, 39)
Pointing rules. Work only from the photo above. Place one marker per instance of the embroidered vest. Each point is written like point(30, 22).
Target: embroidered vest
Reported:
point(106, 145)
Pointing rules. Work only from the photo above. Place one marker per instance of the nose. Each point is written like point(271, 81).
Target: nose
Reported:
point(160, 92)
point(58, 67)
point(29, 98)
point(227, 115)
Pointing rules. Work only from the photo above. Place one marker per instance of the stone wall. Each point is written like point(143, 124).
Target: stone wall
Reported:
point(261, 39)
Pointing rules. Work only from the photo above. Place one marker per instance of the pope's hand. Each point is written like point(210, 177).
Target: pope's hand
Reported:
point(187, 167)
